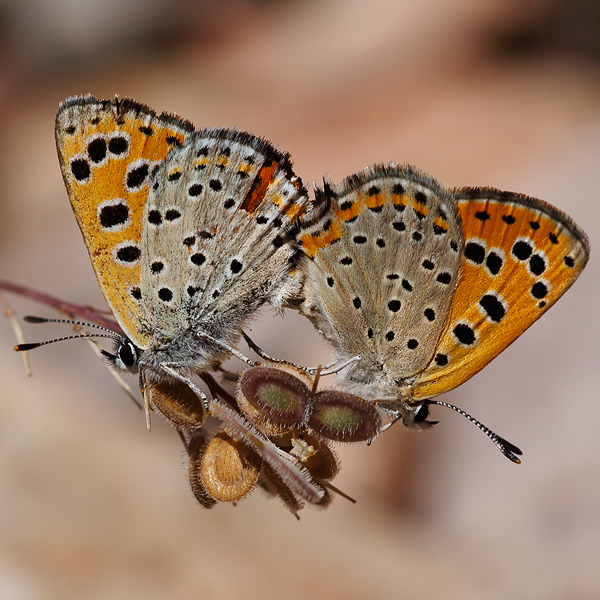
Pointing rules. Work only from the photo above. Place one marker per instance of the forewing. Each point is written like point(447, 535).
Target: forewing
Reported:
point(107, 150)
point(520, 256)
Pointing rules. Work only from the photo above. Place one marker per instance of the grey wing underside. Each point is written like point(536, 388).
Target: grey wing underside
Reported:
point(383, 288)
point(220, 216)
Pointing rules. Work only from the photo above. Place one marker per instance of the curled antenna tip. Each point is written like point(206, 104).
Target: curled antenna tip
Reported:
point(25, 347)
point(32, 319)
point(509, 450)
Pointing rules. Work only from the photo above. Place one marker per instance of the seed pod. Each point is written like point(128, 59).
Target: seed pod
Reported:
point(229, 470)
point(176, 401)
point(258, 420)
point(292, 370)
point(196, 448)
point(343, 417)
point(273, 395)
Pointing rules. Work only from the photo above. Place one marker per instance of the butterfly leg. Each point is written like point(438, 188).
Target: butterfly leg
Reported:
point(312, 370)
point(327, 370)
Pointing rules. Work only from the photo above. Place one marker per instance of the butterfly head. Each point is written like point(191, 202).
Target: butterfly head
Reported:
point(124, 359)
point(413, 416)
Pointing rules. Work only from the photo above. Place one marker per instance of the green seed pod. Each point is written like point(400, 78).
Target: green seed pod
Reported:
point(274, 395)
point(343, 417)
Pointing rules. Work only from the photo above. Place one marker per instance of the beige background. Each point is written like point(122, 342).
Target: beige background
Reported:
point(477, 92)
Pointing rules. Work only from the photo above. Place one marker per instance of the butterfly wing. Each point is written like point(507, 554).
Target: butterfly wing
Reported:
point(520, 256)
point(381, 271)
point(107, 150)
point(218, 229)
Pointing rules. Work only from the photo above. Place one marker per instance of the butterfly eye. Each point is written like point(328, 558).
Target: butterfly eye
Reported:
point(415, 416)
point(421, 414)
point(127, 356)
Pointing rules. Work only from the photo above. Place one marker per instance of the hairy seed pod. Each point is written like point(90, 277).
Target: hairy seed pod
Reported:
point(175, 400)
point(258, 420)
point(196, 448)
point(274, 395)
point(229, 470)
point(292, 370)
point(343, 417)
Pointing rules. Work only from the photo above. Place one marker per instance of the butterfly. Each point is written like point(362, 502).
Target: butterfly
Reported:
point(189, 232)
point(428, 285)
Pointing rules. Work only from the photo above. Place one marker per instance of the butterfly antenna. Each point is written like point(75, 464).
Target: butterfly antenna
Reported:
point(509, 450)
point(31, 319)
point(32, 346)
point(95, 346)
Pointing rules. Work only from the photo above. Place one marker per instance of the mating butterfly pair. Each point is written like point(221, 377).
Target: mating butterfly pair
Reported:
point(189, 232)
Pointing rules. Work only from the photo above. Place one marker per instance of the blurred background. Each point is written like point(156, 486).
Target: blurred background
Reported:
point(502, 93)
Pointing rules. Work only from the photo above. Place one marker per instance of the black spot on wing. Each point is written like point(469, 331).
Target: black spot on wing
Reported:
point(165, 294)
point(492, 307)
point(195, 190)
point(154, 217)
point(394, 305)
point(118, 145)
point(114, 215)
point(137, 176)
point(97, 150)
point(475, 252)
point(522, 250)
point(128, 254)
point(464, 334)
point(441, 360)
point(156, 267)
point(80, 169)
point(494, 263)
point(539, 290)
